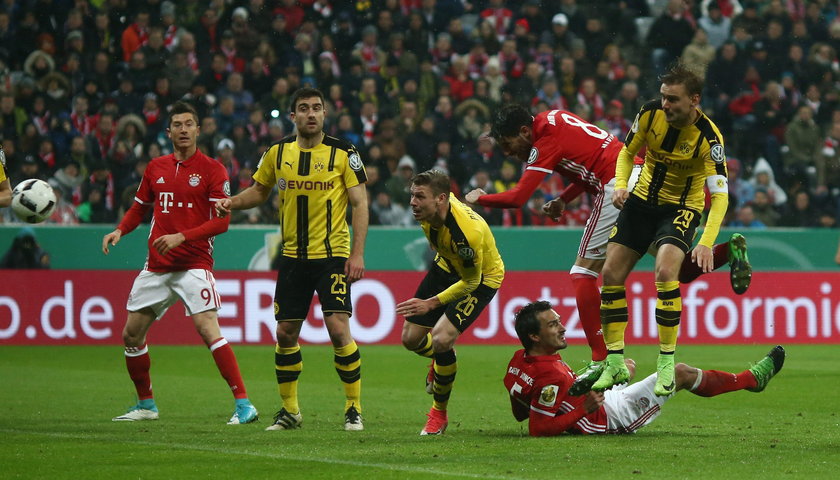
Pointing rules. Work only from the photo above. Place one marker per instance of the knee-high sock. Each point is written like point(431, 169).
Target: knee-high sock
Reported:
point(226, 363)
point(588, 298)
point(689, 271)
point(348, 364)
point(288, 363)
point(446, 366)
point(425, 347)
point(613, 317)
point(714, 382)
point(668, 311)
point(138, 363)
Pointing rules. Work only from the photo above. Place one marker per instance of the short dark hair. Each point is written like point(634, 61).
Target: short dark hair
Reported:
point(526, 322)
point(437, 181)
point(509, 119)
point(305, 92)
point(678, 73)
point(182, 107)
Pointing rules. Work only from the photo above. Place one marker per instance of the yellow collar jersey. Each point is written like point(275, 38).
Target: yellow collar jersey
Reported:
point(465, 245)
point(678, 160)
point(2, 172)
point(312, 187)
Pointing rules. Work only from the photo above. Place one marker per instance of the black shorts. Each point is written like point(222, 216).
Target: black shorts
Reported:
point(298, 279)
point(462, 312)
point(640, 224)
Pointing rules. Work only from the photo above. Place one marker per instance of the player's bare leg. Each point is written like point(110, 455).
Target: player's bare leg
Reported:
point(734, 253)
point(348, 365)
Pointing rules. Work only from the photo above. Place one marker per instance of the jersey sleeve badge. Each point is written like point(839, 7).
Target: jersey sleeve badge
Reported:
point(355, 161)
point(226, 188)
point(533, 156)
point(548, 395)
point(717, 153)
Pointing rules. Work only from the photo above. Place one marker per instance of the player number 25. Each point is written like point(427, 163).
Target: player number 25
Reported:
point(339, 286)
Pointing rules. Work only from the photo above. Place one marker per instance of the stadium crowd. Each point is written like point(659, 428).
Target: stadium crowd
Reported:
point(85, 84)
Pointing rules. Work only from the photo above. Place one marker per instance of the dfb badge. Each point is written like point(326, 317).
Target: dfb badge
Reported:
point(548, 395)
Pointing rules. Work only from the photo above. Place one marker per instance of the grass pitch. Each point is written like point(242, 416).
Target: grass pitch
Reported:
point(58, 402)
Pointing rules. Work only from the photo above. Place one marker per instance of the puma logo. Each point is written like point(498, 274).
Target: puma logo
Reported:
point(655, 135)
point(340, 300)
point(289, 164)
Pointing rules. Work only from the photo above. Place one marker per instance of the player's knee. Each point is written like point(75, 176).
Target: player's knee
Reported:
point(685, 375)
point(409, 341)
point(132, 339)
point(442, 342)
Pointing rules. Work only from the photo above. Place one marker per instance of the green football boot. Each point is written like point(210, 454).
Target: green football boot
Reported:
point(767, 367)
point(665, 384)
point(586, 377)
point(615, 372)
point(740, 270)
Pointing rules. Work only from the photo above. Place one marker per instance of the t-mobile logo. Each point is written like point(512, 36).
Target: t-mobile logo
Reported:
point(167, 201)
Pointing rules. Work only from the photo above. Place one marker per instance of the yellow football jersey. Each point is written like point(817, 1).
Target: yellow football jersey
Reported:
point(465, 245)
point(678, 161)
point(313, 187)
point(2, 164)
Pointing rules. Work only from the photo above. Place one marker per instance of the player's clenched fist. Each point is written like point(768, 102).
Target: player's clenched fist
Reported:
point(223, 207)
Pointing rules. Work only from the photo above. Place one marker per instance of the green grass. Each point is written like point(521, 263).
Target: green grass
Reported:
point(58, 402)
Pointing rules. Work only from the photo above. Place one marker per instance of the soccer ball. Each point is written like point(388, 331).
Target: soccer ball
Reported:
point(33, 200)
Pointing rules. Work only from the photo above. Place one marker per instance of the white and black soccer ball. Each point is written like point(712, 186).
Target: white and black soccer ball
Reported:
point(33, 200)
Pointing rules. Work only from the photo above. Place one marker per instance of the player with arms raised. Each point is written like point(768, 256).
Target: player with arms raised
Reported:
point(317, 176)
point(466, 273)
point(182, 189)
point(560, 141)
point(684, 154)
point(537, 380)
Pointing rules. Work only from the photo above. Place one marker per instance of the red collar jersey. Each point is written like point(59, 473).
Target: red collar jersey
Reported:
point(183, 195)
point(539, 384)
point(567, 144)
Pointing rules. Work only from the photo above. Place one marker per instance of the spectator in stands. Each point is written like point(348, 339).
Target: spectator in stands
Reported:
point(25, 252)
point(669, 35)
point(136, 35)
point(763, 178)
point(763, 210)
point(804, 143)
point(745, 218)
point(399, 184)
point(800, 211)
point(716, 25)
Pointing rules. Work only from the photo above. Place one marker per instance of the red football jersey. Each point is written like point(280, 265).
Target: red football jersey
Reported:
point(563, 143)
point(183, 195)
point(538, 385)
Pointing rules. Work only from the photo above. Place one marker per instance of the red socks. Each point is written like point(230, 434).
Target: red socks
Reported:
point(226, 362)
point(138, 363)
point(689, 271)
point(589, 308)
point(715, 382)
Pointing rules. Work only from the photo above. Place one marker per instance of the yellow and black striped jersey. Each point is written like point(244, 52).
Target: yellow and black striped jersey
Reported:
point(465, 245)
point(2, 164)
point(313, 187)
point(678, 161)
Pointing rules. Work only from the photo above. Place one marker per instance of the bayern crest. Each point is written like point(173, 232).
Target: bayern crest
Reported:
point(195, 179)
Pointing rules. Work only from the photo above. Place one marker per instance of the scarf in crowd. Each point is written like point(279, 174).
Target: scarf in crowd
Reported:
point(368, 127)
point(256, 132)
point(170, 37)
point(595, 101)
point(109, 190)
point(83, 123)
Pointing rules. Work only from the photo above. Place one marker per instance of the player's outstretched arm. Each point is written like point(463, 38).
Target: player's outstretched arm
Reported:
point(112, 238)
point(248, 198)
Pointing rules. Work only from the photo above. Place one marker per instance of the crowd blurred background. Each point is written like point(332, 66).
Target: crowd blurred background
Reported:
point(85, 84)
